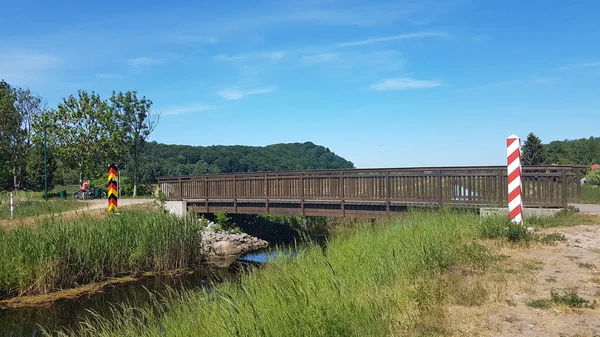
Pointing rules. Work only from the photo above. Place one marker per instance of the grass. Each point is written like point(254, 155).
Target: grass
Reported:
point(58, 254)
point(586, 265)
point(551, 238)
point(391, 280)
point(394, 279)
point(568, 298)
point(32, 204)
point(590, 194)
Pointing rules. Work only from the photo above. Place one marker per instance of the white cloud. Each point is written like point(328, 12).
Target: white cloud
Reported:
point(581, 65)
point(404, 83)
point(320, 58)
point(143, 62)
point(23, 67)
point(409, 36)
point(180, 110)
point(236, 93)
point(109, 76)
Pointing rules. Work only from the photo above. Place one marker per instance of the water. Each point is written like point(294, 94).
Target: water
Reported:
point(69, 312)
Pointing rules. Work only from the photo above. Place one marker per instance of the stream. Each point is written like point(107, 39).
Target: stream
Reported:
point(69, 312)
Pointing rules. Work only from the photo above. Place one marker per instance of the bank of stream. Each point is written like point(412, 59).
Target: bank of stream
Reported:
point(52, 310)
point(67, 313)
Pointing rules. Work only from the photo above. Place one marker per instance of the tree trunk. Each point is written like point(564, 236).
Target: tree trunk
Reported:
point(134, 182)
point(15, 184)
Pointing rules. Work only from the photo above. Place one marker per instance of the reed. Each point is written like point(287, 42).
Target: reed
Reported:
point(371, 282)
point(59, 254)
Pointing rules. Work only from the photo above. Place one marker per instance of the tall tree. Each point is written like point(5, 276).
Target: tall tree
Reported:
point(137, 121)
point(30, 107)
point(86, 130)
point(533, 151)
point(11, 134)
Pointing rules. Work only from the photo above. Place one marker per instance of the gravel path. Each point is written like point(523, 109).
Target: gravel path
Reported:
point(103, 203)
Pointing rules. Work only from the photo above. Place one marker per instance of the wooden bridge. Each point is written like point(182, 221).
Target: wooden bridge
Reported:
point(370, 193)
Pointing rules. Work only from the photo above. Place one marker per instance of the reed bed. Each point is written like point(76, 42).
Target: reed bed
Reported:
point(59, 254)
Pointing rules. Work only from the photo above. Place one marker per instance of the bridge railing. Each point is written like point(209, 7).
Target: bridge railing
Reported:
point(543, 186)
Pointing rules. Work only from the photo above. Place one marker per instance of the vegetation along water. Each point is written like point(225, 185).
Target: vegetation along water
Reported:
point(58, 254)
point(369, 281)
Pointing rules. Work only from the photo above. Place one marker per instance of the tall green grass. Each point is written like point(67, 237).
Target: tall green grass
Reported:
point(33, 204)
point(59, 254)
point(371, 282)
point(590, 194)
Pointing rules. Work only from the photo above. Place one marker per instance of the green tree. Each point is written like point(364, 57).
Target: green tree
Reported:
point(11, 135)
point(30, 107)
point(533, 151)
point(87, 134)
point(137, 121)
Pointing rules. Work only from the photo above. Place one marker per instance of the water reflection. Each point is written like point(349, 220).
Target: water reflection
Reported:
point(69, 312)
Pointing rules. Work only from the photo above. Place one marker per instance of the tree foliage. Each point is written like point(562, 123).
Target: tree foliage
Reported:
point(165, 160)
point(87, 133)
point(584, 151)
point(136, 121)
point(11, 135)
point(533, 151)
point(593, 177)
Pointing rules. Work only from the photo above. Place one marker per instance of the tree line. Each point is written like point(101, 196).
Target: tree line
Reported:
point(84, 134)
point(584, 151)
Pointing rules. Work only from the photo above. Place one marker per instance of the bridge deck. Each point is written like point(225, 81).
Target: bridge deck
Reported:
point(370, 192)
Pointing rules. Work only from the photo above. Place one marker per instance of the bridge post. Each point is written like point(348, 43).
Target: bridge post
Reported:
point(342, 205)
point(267, 193)
point(235, 194)
point(440, 190)
point(180, 188)
point(565, 187)
point(387, 193)
point(206, 192)
point(500, 188)
point(302, 193)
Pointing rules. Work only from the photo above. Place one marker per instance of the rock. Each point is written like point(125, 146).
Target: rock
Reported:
point(222, 243)
point(222, 261)
point(222, 248)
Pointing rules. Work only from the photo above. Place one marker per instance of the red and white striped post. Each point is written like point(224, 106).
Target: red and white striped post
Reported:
point(515, 184)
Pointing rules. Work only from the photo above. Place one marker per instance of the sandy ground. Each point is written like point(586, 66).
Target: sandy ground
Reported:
point(532, 273)
point(102, 203)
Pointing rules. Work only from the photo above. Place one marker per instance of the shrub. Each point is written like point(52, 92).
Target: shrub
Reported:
point(593, 177)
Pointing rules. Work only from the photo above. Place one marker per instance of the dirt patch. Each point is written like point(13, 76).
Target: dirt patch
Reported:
point(530, 275)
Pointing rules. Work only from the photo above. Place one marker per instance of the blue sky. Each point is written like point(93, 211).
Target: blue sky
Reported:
point(381, 83)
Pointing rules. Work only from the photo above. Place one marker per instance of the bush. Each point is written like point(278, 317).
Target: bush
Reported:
point(224, 223)
point(593, 177)
point(498, 227)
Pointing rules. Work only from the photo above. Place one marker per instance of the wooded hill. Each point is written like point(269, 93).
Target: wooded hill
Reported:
point(169, 160)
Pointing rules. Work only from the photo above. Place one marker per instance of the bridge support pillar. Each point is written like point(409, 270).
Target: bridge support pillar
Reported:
point(176, 207)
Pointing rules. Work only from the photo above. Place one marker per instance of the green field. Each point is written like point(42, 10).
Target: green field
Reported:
point(33, 204)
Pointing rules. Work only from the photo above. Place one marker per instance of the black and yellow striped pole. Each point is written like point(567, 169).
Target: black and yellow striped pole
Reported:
point(113, 192)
